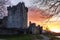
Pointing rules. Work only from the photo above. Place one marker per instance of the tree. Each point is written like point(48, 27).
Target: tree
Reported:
point(3, 8)
point(55, 10)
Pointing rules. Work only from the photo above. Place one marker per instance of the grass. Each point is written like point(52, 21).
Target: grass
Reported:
point(17, 37)
point(21, 37)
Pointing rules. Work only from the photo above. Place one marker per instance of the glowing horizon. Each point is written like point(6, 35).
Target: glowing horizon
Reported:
point(53, 26)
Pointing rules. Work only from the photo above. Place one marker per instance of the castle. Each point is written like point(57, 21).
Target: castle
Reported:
point(16, 20)
point(17, 16)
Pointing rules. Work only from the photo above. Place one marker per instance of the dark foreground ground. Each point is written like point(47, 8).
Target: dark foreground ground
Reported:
point(28, 37)
point(21, 37)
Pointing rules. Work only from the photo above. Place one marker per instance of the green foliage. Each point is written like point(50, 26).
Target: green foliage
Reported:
point(22, 37)
point(17, 37)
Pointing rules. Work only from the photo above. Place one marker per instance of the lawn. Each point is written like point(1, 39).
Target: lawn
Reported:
point(17, 37)
point(21, 37)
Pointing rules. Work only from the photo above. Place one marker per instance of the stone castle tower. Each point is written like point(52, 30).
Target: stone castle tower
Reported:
point(17, 16)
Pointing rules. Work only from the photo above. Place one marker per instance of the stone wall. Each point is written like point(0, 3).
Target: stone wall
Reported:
point(17, 16)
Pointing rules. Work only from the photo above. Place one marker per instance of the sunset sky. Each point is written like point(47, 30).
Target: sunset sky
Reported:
point(38, 15)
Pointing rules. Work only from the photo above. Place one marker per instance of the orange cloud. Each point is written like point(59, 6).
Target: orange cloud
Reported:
point(37, 15)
